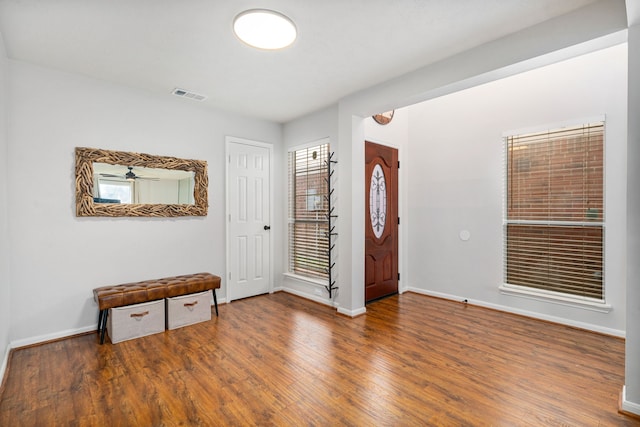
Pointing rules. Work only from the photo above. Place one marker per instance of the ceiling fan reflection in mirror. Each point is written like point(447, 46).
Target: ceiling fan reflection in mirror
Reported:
point(129, 176)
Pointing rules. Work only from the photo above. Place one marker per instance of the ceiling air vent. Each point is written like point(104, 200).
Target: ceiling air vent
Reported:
point(186, 94)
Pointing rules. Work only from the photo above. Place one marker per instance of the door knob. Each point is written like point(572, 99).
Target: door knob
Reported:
point(267, 227)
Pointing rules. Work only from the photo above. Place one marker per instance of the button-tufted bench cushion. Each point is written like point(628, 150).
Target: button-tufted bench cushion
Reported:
point(150, 290)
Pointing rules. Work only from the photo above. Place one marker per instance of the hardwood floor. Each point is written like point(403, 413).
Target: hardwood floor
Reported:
point(285, 361)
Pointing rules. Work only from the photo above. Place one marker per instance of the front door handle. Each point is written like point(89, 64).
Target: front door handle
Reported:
point(267, 227)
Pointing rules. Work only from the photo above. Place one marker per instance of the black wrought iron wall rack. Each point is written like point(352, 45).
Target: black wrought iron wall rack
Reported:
point(331, 218)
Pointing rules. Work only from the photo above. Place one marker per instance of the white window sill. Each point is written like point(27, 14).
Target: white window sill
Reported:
point(556, 298)
point(310, 280)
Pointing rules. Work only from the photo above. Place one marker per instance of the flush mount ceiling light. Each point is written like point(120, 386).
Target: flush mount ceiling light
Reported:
point(264, 29)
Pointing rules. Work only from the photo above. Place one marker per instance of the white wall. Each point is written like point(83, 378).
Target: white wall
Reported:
point(5, 320)
point(395, 134)
point(57, 258)
point(600, 24)
point(455, 182)
point(631, 400)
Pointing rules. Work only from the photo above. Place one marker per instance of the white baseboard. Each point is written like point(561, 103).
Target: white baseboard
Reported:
point(352, 313)
point(220, 301)
point(315, 298)
point(305, 295)
point(627, 406)
point(53, 336)
point(532, 314)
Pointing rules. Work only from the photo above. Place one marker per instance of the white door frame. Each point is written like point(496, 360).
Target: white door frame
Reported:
point(234, 140)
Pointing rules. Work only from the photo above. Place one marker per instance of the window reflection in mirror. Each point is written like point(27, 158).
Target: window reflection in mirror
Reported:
point(141, 185)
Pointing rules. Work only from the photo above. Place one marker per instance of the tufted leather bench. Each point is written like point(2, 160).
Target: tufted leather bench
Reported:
point(150, 290)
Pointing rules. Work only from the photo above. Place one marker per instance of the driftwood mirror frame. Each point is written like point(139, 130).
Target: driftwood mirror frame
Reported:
point(85, 206)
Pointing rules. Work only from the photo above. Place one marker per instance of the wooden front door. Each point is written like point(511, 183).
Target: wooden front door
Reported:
point(381, 229)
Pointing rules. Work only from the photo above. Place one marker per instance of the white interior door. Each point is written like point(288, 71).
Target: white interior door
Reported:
point(248, 211)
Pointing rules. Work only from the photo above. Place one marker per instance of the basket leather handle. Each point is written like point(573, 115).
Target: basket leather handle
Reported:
point(190, 304)
point(144, 313)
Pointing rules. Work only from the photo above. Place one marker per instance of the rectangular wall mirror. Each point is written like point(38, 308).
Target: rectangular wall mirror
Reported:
point(119, 183)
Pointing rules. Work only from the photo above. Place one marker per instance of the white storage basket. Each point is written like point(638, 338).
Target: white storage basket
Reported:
point(133, 321)
point(186, 310)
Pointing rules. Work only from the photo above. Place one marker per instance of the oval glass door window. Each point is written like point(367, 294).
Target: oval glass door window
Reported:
point(378, 201)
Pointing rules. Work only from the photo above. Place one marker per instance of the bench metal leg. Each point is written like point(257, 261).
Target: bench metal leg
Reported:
point(103, 327)
point(101, 313)
point(215, 301)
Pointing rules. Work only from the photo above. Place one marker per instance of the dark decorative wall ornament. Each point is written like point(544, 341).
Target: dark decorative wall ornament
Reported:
point(384, 118)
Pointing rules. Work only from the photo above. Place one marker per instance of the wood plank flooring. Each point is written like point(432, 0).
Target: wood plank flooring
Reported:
point(284, 361)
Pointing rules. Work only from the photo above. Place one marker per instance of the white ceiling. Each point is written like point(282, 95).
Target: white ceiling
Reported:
point(343, 45)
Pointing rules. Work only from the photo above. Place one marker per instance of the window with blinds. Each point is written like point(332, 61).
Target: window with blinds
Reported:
point(308, 211)
point(554, 226)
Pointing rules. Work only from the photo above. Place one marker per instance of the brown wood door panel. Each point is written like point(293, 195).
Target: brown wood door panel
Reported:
point(369, 271)
point(381, 250)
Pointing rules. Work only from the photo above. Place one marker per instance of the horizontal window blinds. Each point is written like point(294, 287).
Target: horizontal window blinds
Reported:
point(555, 211)
point(308, 210)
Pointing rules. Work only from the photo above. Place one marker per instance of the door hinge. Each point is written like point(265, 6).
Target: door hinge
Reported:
point(398, 220)
point(398, 277)
point(398, 164)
